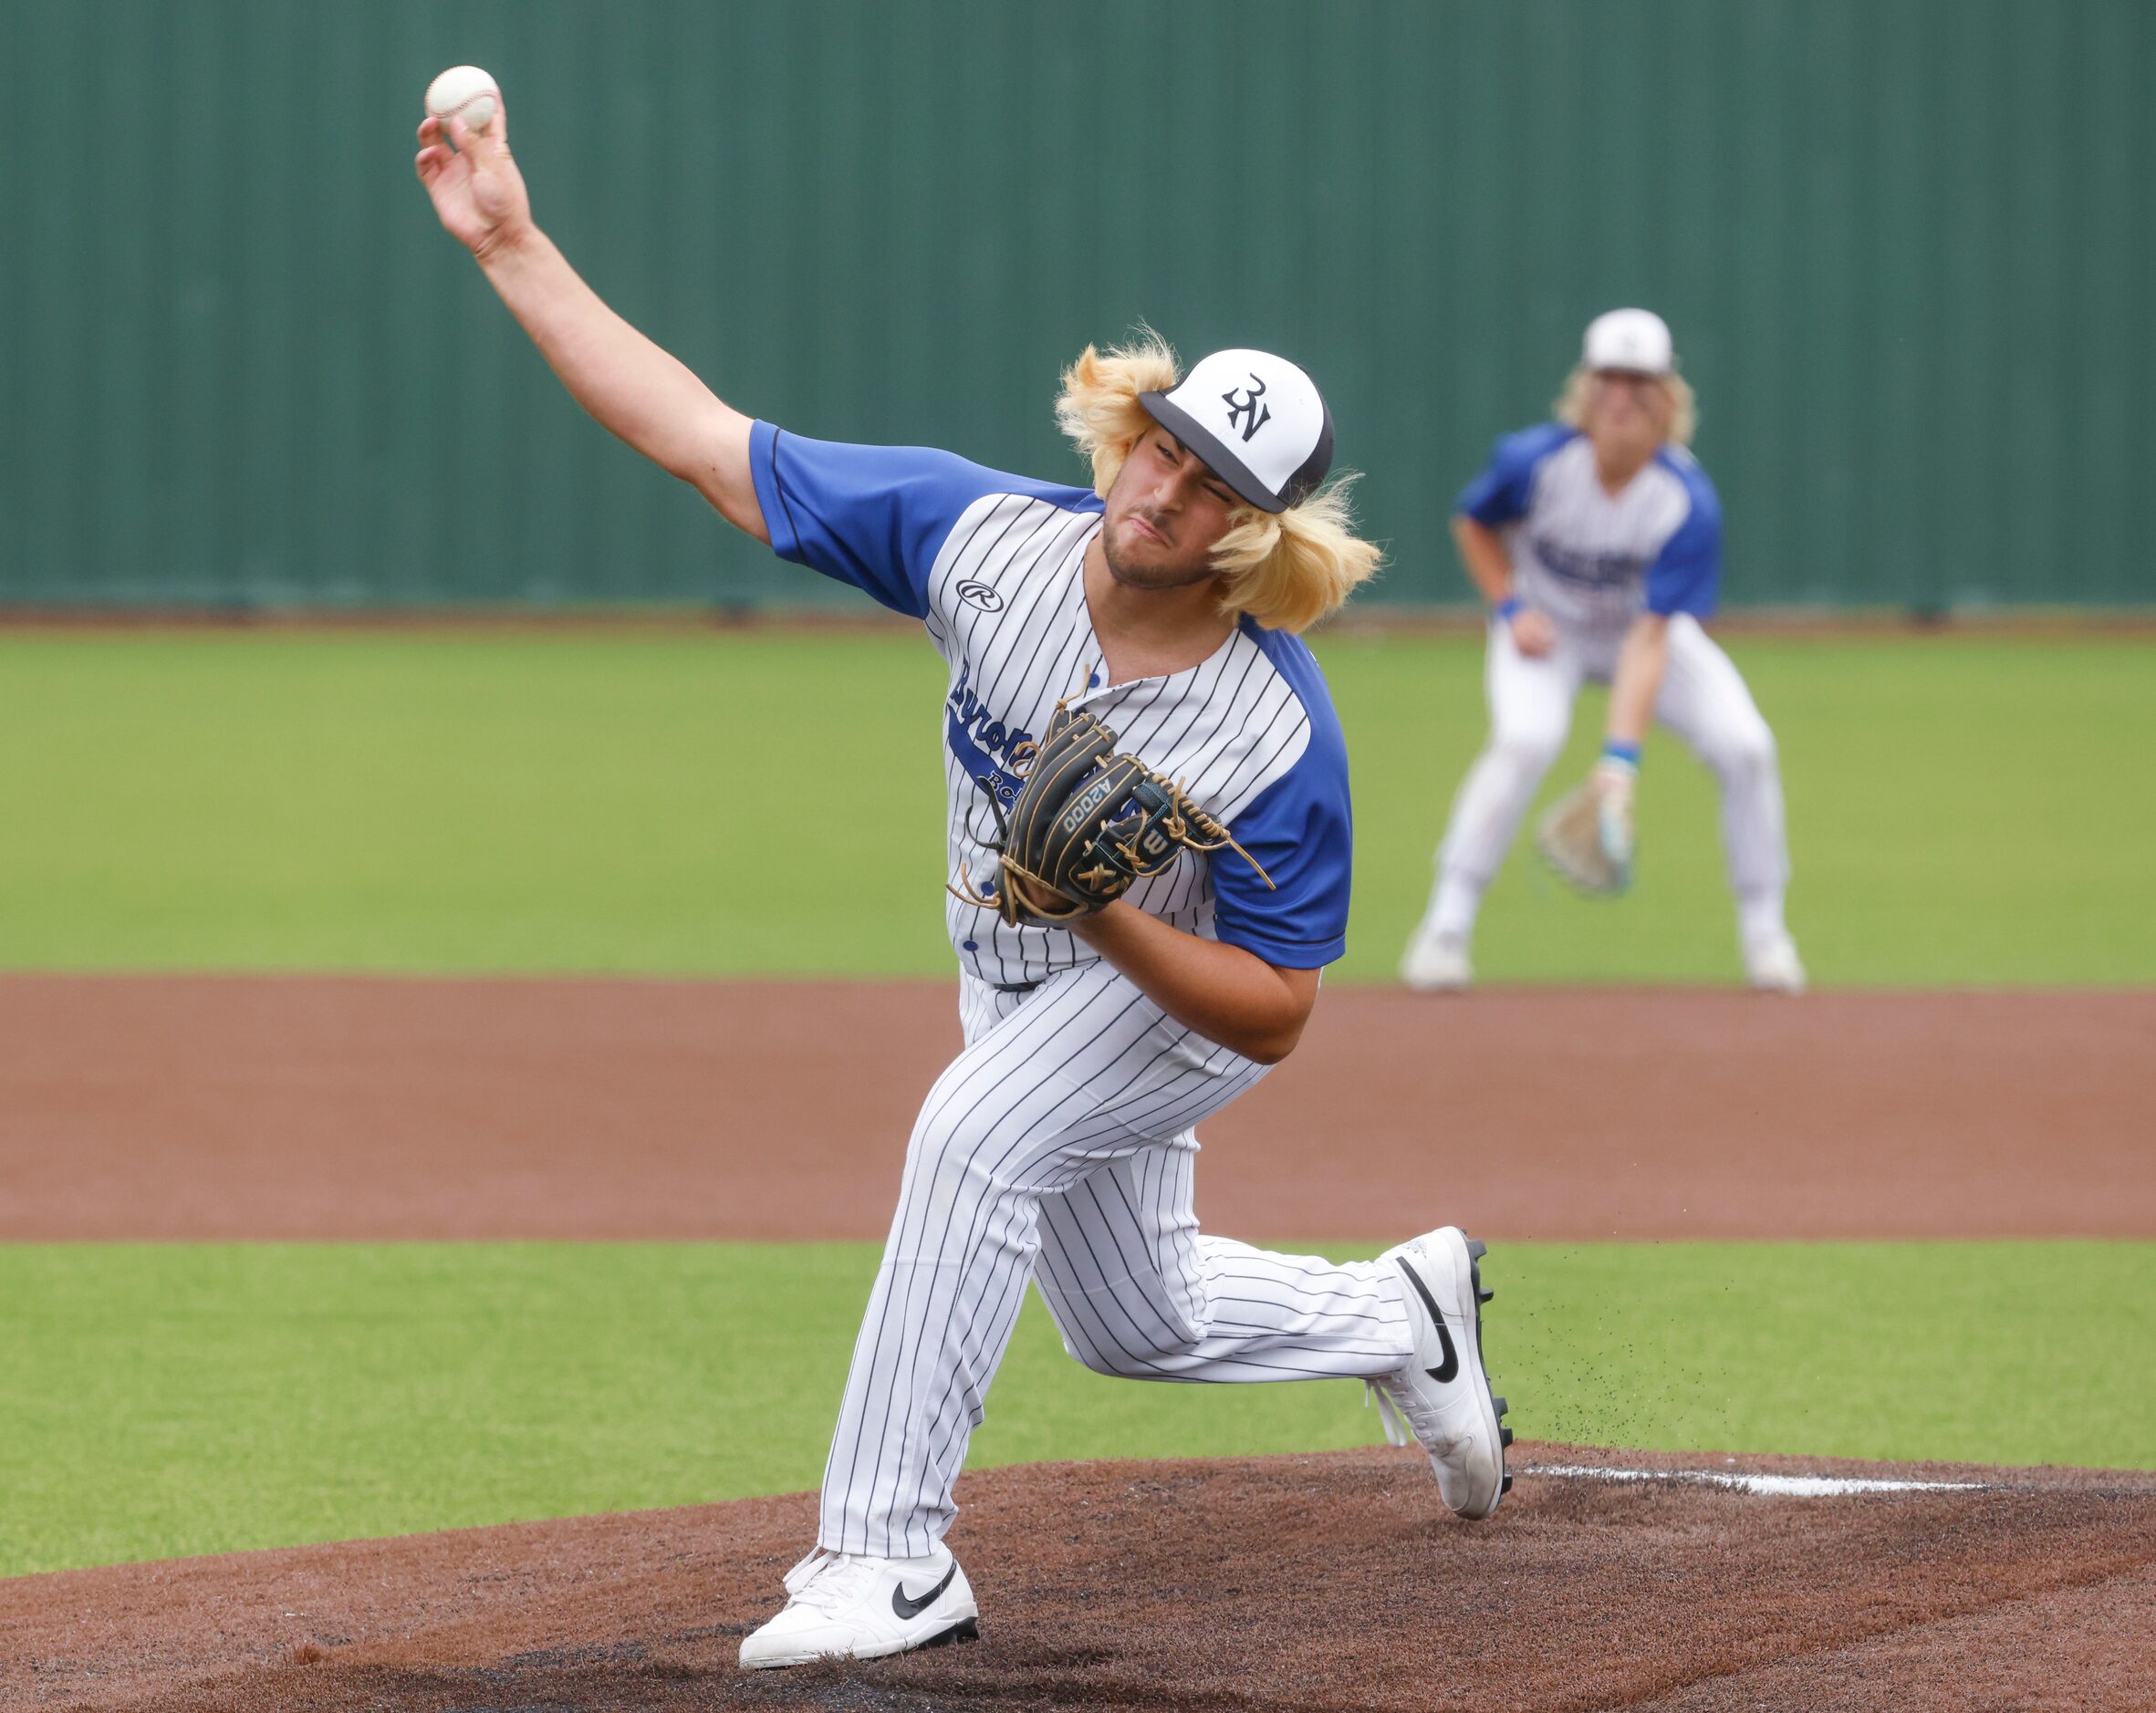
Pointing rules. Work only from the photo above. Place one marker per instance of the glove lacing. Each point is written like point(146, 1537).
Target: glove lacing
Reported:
point(1183, 815)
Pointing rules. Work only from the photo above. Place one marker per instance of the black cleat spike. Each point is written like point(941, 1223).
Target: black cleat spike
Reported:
point(1504, 1435)
point(1476, 1248)
point(1507, 1488)
point(1499, 1405)
point(1485, 1296)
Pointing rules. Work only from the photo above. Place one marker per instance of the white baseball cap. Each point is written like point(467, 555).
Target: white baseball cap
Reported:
point(1256, 419)
point(1634, 339)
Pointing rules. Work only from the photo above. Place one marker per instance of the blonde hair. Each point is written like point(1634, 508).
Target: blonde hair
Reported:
point(1285, 569)
point(1684, 412)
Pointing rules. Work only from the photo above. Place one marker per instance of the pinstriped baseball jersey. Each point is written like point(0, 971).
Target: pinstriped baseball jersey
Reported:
point(993, 566)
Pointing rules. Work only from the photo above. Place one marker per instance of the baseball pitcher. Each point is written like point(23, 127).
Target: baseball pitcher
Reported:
point(1147, 825)
point(1597, 541)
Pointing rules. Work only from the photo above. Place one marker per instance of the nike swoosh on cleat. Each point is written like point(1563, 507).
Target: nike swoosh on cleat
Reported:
point(907, 1608)
point(1450, 1367)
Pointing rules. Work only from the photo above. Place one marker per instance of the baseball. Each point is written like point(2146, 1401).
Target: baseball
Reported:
point(466, 92)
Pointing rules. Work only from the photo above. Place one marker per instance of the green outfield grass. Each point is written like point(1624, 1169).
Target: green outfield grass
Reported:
point(1962, 808)
point(159, 1400)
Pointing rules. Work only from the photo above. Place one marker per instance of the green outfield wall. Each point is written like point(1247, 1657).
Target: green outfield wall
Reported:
point(1906, 245)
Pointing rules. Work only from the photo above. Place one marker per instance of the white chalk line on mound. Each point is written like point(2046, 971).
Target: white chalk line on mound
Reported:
point(1766, 1486)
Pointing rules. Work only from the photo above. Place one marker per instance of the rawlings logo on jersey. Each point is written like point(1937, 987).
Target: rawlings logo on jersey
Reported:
point(978, 594)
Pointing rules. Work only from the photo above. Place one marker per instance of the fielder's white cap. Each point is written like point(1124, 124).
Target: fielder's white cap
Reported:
point(1256, 419)
point(1634, 339)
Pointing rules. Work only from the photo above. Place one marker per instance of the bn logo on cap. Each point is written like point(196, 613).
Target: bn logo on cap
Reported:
point(1259, 414)
point(1217, 409)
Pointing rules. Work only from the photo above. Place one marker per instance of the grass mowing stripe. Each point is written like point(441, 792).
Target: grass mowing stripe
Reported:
point(159, 1400)
point(685, 803)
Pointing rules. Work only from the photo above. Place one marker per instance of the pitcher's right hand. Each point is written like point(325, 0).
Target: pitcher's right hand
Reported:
point(477, 190)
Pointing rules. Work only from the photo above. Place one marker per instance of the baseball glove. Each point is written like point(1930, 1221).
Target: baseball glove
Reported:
point(1586, 835)
point(1087, 823)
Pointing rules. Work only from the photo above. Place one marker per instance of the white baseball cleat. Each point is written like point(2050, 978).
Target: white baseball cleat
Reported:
point(1770, 965)
point(847, 1606)
point(1436, 963)
point(1442, 1395)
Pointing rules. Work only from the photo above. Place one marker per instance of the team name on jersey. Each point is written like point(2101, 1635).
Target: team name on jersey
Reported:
point(987, 748)
point(1599, 570)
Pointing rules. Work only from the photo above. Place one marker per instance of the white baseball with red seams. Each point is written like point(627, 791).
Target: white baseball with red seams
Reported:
point(467, 93)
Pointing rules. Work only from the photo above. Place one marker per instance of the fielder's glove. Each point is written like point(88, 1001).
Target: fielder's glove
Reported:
point(1587, 834)
point(1087, 825)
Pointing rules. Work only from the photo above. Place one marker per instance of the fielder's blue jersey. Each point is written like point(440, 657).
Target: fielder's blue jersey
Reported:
point(992, 564)
point(1590, 558)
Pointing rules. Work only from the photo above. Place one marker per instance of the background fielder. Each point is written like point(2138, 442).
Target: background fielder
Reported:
point(1058, 1145)
point(1596, 540)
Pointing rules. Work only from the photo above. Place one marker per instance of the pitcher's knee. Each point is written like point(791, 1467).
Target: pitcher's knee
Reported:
point(1106, 1340)
point(948, 1150)
point(1110, 1362)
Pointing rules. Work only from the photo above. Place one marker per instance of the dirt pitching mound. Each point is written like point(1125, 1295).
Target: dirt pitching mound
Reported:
point(1325, 1582)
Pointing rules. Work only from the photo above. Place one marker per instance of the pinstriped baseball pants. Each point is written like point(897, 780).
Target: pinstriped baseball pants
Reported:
point(1058, 1146)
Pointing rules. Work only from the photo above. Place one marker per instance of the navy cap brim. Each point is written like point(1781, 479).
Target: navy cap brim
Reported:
point(1201, 440)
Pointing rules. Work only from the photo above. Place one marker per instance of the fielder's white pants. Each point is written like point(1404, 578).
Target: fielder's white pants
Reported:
point(1058, 1146)
point(1703, 700)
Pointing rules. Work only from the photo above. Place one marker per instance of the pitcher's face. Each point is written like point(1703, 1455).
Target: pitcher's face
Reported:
point(1164, 513)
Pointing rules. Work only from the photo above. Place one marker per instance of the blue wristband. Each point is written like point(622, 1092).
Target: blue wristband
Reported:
point(1507, 608)
point(1628, 754)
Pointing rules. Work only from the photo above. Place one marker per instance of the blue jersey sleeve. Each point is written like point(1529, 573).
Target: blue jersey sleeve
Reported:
point(1686, 576)
point(1500, 495)
point(874, 516)
point(1301, 829)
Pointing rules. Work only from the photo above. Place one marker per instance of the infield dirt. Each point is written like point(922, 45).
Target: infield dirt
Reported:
point(306, 1107)
point(237, 1108)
